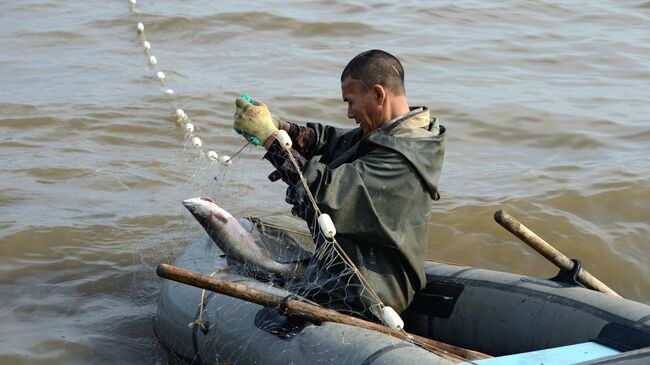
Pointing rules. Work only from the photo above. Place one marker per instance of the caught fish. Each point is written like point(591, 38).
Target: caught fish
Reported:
point(232, 238)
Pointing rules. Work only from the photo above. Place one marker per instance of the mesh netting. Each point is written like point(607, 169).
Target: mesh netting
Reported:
point(198, 326)
point(325, 278)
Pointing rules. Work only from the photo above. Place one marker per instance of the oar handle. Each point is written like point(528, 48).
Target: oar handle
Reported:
point(549, 252)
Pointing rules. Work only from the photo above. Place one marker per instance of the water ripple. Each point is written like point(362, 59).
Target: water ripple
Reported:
point(545, 105)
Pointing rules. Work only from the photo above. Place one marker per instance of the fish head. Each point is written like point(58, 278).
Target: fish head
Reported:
point(205, 210)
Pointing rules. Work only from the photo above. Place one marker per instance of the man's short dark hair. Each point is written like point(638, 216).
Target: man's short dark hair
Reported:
point(376, 67)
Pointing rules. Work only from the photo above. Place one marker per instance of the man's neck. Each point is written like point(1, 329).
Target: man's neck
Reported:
point(397, 106)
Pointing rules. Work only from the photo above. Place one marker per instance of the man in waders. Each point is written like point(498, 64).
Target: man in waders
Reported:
point(377, 181)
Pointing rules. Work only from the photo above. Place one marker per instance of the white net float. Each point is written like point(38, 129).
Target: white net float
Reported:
point(169, 91)
point(160, 75)
point(189, 127)
point(153, 60)
point(146, 45)
point(132, 2)
point(213, 155)
point(196, 141)
point(284, 139)
point(326, 225)
point(225, 159)
point(140, 27)
point(180, 115)
point(392, 319)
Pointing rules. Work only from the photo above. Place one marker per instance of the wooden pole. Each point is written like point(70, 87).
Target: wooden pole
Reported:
point(551, 253)
point(308, 311)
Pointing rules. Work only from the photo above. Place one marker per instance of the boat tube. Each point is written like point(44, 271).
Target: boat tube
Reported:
point(517, 319)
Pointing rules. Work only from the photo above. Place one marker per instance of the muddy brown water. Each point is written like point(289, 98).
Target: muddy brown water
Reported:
point(546, 105)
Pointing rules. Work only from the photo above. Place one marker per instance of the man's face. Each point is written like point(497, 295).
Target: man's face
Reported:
point(362, 104)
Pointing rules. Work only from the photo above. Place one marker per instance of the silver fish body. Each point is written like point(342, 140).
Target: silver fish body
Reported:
point(231, 237)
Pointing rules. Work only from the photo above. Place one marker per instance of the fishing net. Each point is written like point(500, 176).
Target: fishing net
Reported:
point(230, 330)
point(322, 276)
point(194, 325)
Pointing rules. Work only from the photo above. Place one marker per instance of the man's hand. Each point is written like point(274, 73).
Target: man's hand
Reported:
point(254, 122)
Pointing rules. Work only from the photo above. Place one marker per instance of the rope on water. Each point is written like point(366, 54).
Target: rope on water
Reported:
point(182, 119)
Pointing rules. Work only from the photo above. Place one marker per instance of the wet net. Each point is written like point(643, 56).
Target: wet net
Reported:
point(197, 326)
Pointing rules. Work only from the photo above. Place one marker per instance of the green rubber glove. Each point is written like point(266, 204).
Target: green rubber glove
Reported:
point(277, 121)
point(254, 121)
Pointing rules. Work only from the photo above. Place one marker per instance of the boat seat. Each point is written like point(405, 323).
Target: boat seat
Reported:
point(564, 355)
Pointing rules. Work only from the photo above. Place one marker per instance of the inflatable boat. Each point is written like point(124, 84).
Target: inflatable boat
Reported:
point(515, 319)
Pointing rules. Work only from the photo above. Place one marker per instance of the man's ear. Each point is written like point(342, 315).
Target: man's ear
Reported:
point(380, 93)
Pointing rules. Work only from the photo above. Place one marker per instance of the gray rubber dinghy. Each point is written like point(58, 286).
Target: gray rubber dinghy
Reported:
point(513, 318)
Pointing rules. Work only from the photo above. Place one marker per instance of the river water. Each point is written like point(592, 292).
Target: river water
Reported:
point(546, 105)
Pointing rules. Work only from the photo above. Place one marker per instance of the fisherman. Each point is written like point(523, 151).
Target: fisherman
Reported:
point(377, 181)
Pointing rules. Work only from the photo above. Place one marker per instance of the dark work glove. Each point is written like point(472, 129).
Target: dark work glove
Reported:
point(284, 168)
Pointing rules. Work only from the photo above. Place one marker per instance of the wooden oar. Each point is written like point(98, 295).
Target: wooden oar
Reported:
point(551, 253)
point(308, 311)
